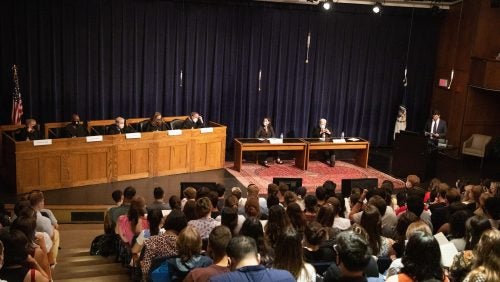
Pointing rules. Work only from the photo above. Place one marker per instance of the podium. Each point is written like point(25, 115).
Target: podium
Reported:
point(413, 154)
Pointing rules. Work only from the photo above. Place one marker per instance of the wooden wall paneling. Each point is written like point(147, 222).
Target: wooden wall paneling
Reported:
point(50, 170)
point(28, 173)
point(133, 157)
point(487, 39)
point(173, 153)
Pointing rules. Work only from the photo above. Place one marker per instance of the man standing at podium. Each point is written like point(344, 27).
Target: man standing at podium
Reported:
point(436, 127)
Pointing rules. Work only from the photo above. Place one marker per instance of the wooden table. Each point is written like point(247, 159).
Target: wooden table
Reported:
point(257, 145)
point(361, 146)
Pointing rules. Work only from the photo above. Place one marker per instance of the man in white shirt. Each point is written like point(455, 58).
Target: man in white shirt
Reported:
point(436, 127)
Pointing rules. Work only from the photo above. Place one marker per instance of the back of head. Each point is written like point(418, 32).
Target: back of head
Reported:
point(137, 208)
point(189, 243)
point(326, 215)
point(252, 207)
point(36, 198)
point(418, 226)
point(202, 192)
point(231, 201)
point(154, 219)
point(415, 204)
point(14, 243)
point(22, 206)
point(492, 207)
point(229, 217)
point(353, 251)
point(372, 223)
point(283, 189)
point(27, 225)
point(413, 180)
point(236, 191)
point(272, 200)
point(301, 192)
point(175, 202)
point(457, 223)
point(175, 221)
point(117, 195)
point(129, 193)
point(289, 252)
point(158, 193)
point(221, 189)
point(252, 190)
point(241, 247)
point(252, 228)
point(452, 195)
point(474, 228)
point(422, 258)
point(379, 203)
point(290, 197)
point(315, 233)
point(214, 198)
point(488, 255)
point(330, 187)
point(404, 221)
point(320, 193)
point(203, 207)
point(190, 210)
point(189, 193)
point(311, 203)
point(296, 216)
point(218, 240)
point(272, 189)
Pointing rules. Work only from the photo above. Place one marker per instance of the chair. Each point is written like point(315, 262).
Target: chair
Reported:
point(476, 146)
point(175, 124)
point(321, 267)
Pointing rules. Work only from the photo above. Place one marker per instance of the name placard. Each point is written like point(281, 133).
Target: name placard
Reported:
point(174, 132)
point(206, 130)
point(275, 140)
point(97, 138)
point(42, 142)
point(135, 135)
point(341, 140)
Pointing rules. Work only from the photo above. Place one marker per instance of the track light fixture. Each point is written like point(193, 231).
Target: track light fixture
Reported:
point(377, 8)
point(327, 5)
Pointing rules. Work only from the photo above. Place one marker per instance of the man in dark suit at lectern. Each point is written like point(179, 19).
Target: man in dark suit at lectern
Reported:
point(436, 127)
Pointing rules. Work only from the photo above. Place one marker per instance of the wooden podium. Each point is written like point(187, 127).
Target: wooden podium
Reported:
point(413, 155)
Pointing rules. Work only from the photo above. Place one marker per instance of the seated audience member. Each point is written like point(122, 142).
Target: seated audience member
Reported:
point(482, 200)
point(473, 195)
point(297, 218)
point(339, 222)
point(175, 202)
point(388, 217)
point(417, 226)
point(370, 220)
point(486, 266)
point(163, 245)
point(457, 228)
point(320, 195)
point(253, 191)
point(353, 256)
point(462, 261)
point(326, 217)
point(155, 123)
point(412, 181)
point(190, 210)
point(311, 207)
point(155, 222)
point(439, 208)
point(252, 228)
point(290, 197)
point(43, 224)
point(204, 222)
point(133, 222)
point(314, 248)
point(115, 212)
point(289, 256)
point(202, 192)
point(421, 261)
point(283, 188)
point(272, 189)
point(75, 128)
point(4, 217)
point(432, 189)
point(119, 127)
point(28, 133)
point(217, 243)
point(236, 191)
point(159, 202)
point(330, 187)
point(245, 266)
point(252, 208)
point(18, 265)
point(193, 121)
point(415, 204)
point(189, 194)
point(404, 221)
point(228, 217)
point(221, 192)
point(301, 195)
point(277, 223)
point(492, 211)
point(273, 200)
point(214, 198)
point(189, 257)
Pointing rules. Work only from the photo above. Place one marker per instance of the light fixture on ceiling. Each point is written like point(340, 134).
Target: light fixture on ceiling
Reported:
point(377, 8)
point(327, 5)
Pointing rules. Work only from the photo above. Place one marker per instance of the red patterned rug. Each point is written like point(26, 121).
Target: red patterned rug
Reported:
point(315, 176)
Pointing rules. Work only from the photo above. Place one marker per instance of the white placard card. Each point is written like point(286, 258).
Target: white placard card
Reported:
point(207, 130)
point(135, 135)
point(275, 140)
point(97, 138)
point(174, 132)
point(42, 142)
point(342, 140)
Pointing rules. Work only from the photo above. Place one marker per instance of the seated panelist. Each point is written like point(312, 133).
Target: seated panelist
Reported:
point(155, 123)
point(75, 128)
point(193, 121)
point(119, 127)
point(28, 133)
point(266, 130)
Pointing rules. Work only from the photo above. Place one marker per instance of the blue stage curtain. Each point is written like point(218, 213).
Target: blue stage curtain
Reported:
point(104, 58)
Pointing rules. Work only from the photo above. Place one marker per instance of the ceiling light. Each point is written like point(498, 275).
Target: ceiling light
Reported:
point(377, 8)
point(327, 5)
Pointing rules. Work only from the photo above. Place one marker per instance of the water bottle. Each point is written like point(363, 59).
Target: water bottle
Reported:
point(342, 135)
point(281, 135)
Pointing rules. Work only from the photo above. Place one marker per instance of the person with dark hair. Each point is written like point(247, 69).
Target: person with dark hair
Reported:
point(253, 192)
point(439, 208)
point(229, 218)
point(272, 200)
point(416, 205)
point(75, 128)
point(297, 218)
point(163, 245)
point(301, 194)
point(272, 189)
point(289, 256)
point(159, 202)
point(462, 261)
point(388, 217)
point(492, 211)
point(487, 263)
point(175, 202)
point(189, 257)
point(217, 243)
point(4, 217)
point(330, 187)
point(194, 121)
point(252, 227)
point(155, 123)
point(117, 196)
point(133, 222)
point(457, 228)
point(245, 266)
point(277, 224)
point(353, 256)
point(155, 220)
point(266, 131)
point(404, 221)
point(290, 197)
point(326, 217)
point(339, 222)
point(283, 188)
point(421, 260)
point(311, 207)
point(320, 195)
point(314, 249)
point(190, 210)
point(214, 199)
point(436, 127)
point(115, 212)
point(18, 265)
point(205, 223)
point(370, 220)
point(252, 208)
point(221, 190)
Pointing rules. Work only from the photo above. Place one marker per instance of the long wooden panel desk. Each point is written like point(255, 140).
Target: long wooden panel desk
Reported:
point(69, 162)
point(302, 148)
point(256, 145)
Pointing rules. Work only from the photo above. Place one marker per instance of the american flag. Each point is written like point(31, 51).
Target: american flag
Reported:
point(17, 102)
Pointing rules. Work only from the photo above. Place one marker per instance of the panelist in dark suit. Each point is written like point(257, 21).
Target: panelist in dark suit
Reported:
point(28, 133)
point(119, 127)
point(266, 131)
point(75, 128)
point(323, 131)
point(193, 121)
point(436, 127)
point(155, 123)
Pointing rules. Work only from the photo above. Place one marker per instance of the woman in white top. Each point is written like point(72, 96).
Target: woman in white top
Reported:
point(289, 256)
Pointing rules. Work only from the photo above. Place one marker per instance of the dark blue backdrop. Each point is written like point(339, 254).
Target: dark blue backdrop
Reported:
point(103, 58)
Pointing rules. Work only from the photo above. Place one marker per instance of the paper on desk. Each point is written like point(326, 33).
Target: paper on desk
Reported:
point(341, 140)
point(275, 141)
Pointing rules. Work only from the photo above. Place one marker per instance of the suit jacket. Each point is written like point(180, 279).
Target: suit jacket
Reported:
point(113, 129)
point(316, 132)
point(23, 134)
point(150, 127)
point(262, 133)
point(72, 130)
point(189, 124)
point(442, 129)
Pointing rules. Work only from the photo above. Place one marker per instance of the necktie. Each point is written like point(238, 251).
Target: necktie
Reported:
point(434, 128)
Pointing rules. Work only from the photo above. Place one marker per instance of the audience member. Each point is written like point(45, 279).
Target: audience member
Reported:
point(486, 266)
point(175, 202)
point(252, 228)
point(204, 222)
point(314, 249)
point(190, 210)
point(370, 220)
point(159, 202)
point(277, 224)
point(253, 191)
point(133, 222)
point(43, 224)
point(189, 194)
point(289, 256)
point(311, 207)
point(301, 195)
point(115, 212)
point(297, 218)
point(320, 195)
